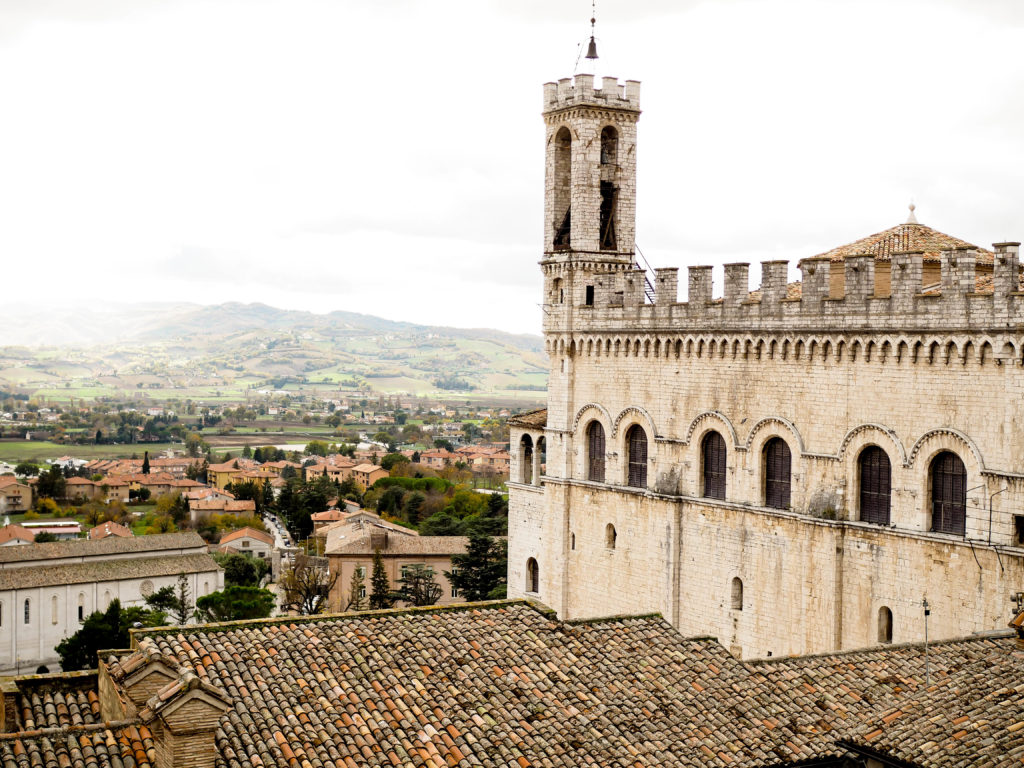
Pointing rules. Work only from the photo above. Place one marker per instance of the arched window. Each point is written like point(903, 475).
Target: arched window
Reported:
point(53, 609)
point(609, 146)
point(610, 536)
point(777, 467)
point(106, 598)
point(542, 459)
point(532, 576)
point(558, 292)
point(81, 606)
point(526, 459)
point(636, 447)
point(875, 485)
point(595, 452)
point(949, 494)
point(884, 625)
point(28, 610)
point(737, 594)
point(713, 459)
point(562, 192)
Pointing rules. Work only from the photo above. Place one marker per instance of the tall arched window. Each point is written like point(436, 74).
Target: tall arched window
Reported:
point(713, 459)
point(884, 625)
point(542, 458)
point(610, 536)
point(526, 459)
point(81, 606)
point(737, 594)
point(636, 447)
point(949, 494)
point(28, 611)
point(562, 192)
point(609, 146)
point(875, 485)
point(595, 452)
point(532, 576)
point(777, 468)
point(53, 609)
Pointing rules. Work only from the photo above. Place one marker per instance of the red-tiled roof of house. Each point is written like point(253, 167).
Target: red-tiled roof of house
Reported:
point(109, 528)
point(104, 746)
point(14, 532)
point(247, 532)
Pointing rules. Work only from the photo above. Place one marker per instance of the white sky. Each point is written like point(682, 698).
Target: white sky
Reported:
point(387, 157)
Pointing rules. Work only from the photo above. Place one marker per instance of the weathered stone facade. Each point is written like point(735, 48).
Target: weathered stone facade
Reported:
point(918, 372)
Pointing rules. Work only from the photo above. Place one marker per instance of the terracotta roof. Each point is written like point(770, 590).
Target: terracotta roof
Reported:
point(54, 550)
point(58, 700)
point(13, 531)
point(103, 746)
point(109, 528)
point(220, 504)
point(252, 533)
point(368, 468)
point(904, 238)
point(98, 570)
point(531, 419)
point(352, 541)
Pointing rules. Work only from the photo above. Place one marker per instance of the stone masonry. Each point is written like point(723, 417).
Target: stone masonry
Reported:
point(888, 363)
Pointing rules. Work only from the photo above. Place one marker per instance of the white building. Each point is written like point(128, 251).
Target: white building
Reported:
point(47, 590)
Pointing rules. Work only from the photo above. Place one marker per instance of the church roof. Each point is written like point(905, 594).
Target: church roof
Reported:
point(531, 419)
point(904, 238)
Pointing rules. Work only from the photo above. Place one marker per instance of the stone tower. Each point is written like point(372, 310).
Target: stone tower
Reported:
point(589, 201)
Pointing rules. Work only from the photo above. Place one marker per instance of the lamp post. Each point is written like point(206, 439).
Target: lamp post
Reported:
point(927, 612)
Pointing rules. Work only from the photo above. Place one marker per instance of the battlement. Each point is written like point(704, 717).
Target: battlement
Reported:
point(608, 298)
point(581, 92)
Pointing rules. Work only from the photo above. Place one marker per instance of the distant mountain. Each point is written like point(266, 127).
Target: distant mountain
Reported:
point(234, 346)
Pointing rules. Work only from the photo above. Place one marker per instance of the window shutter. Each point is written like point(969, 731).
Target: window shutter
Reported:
point(637, 440)
point(875, 486)
point(777, 466)
point(595, 452)
point(949, 494)
point(714, 466)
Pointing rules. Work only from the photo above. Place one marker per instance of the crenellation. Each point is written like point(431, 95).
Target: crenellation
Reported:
point(774, 281)
point(905, 279)
point(1006, 268)
point(860, 279)
point(666, 286)
point(815, 282)
point(570, 92)
point(737, 284)
point(698, 292)
point(958, 273)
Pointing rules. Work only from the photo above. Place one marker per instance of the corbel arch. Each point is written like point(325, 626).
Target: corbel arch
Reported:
point(602, 415)
point(941, 437)
point(634, 415)
point(715, 417)
point(778, 422)
point(863, 434)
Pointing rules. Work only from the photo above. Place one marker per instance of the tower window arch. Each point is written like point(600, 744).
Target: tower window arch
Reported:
point(713, 461)
point(532, 576)
point(609, 145)
point(562, 197)
point(736, 597)
point(610, 536)
point(28, 610)
point(526, 459)
point(884, 625)
point(81, 606)
point(636, 459)
point(595, 452)
point(875, 472)
point(949, 493)
point(542, 459)
point(777, 471)
point(53, 609)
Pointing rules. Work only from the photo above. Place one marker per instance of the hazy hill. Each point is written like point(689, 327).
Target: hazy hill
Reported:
point(227, 349)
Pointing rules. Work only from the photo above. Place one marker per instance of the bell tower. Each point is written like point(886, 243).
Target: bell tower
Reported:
point(589, 190)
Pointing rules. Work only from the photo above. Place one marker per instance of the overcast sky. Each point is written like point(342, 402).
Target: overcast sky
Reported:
point(387, 157)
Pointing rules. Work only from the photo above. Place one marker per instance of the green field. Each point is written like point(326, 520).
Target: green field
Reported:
point(38, 451)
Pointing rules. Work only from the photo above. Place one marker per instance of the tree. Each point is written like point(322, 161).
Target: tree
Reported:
point(164, 600)
point(109, 629)
point(356, 591)
point(235, 603)
point(26, 469)
point(145, 463)
point(44, 536)
point(52, 483)
point(380, 587)
point(306, 587)
point(481, 569)
point(441, 524)
point(418, 586)
point(241, 571)
point(389, 461)
point(183, 611)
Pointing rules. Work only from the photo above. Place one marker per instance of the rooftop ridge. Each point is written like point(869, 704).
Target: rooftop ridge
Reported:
point(65, 730)
point(882, 648)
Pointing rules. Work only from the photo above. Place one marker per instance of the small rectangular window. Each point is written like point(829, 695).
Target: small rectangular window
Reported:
point(1018, 530)
point(590, 296)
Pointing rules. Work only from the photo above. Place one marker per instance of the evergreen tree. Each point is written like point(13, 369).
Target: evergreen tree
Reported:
point(356, 601)
point(103, 630)
point(481, 570)
point(145, 463)
point(380, 586)
point(183, 610)
point(236, 603)
point(418, 586)
point(246, 451)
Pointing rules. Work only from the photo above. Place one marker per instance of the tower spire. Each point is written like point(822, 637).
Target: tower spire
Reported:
point(592, 49)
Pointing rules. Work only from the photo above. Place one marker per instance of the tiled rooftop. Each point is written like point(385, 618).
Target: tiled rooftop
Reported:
point(56, 550)
point(531, 419)
point(104, 570)
point(904, 238)
point(90, 746)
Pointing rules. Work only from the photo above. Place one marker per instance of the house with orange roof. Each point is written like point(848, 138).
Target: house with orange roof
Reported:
point(366, 475)
point(15, 496)
point(247, 541)
point(109, 528)
point(14, 534)
point(218, 505)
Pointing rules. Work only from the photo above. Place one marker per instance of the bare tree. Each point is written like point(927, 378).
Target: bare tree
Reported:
point(306, 586)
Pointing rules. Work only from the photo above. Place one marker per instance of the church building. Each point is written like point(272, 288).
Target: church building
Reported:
point(826, 464)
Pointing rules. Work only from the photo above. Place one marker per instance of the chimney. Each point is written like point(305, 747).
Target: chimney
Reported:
point(184, 717)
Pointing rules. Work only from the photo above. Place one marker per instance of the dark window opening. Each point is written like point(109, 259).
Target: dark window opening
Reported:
point(737, 594)
point(777, 467)
point(572, 541)
point(532, 576)
point(563, 230)
point(1018, 530)
point(714, 466)
point(590, 296)
point(595, 452)
point(949, 494)
point(609, 200)
point(636, 441)
point(526, 460)
point(884, 625)
point(875, 485)
point(610, 536)
point(609, 146)
point(42, 670)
